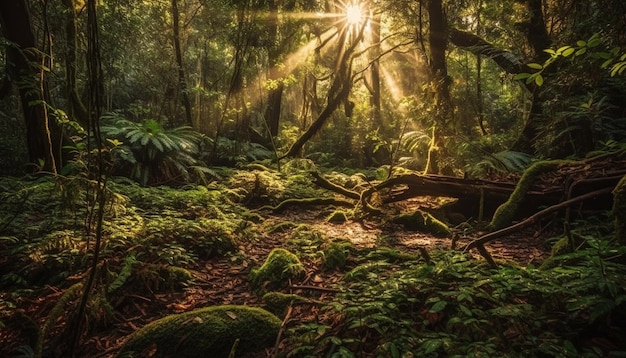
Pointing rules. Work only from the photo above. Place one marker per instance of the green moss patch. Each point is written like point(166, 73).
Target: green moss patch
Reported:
point(277, 302)
point(423, 222)
point(207, 332)
point(279, 266)
point(337, 217)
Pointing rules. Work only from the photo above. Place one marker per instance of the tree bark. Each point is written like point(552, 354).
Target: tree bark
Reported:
point(275, 94)
point(182, 82)
point(24, 68)
point(438, 41)
point(506, 60)
point(77, 109)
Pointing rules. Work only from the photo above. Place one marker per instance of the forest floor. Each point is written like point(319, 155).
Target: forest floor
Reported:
point(224, 280)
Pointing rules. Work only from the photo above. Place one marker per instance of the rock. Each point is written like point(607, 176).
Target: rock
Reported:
point(206, 332)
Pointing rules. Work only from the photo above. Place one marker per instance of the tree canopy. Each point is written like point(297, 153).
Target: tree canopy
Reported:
point(433, 84)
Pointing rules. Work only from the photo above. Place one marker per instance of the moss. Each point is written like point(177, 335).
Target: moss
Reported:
point(619, 210)
point(277, 302)
point(506, 212)
point(279, 266)
point(207, 332)
point(362, 272)
point(390, 255)
point(306, 241)
point(336, 254)
point(424, 222)
point(283, 226)
point(175, 277)
point(59, 308)
point(337, 217)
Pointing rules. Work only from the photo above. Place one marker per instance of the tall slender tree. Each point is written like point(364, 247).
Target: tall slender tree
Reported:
point(25, 68)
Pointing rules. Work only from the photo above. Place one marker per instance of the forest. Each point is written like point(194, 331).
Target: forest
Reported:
point(312, 178)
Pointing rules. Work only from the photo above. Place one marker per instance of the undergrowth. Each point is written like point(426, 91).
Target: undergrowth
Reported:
point(455, 306)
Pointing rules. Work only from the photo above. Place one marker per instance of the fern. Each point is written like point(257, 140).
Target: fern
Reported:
point(505, 161)
point(125, 273)
point(150, 153)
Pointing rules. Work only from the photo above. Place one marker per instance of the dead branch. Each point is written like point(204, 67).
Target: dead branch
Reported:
point(532, 219)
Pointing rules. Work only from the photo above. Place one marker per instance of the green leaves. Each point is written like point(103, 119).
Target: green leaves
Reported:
point(151, 152)
point(582, 47)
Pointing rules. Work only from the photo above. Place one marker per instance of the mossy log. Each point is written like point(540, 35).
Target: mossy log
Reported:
point(481, 241)
point(206, 332)
point(506, 212)
point(289, 203)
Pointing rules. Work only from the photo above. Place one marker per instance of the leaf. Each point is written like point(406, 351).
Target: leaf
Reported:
point(431, 345)
point(521, 76)
point(535, 66)
point(594, 42)
point(563, 49)
point(606, 63)
point(569, 52)
point(539, 80)
point(582, 51)
point(581, 43)
point(438, 307)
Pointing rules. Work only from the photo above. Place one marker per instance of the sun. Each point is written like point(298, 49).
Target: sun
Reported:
point(354, 14)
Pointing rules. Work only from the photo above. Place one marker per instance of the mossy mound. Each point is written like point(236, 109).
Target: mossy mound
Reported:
point(423, 222)
point(336, 254)
point(207, 332)
point(279, 266)
point(337, 217)
point(277, 302)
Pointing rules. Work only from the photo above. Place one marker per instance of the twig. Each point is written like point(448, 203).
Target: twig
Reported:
point(314, 288)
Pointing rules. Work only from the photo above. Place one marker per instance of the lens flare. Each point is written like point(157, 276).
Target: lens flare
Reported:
point(354, 14)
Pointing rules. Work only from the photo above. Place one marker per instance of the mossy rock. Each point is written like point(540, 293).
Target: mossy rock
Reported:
point(423, 222)
point(337, 217)
point(206, 332)
point(280, 265)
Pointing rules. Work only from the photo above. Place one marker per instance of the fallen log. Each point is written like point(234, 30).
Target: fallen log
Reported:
point(481, 241)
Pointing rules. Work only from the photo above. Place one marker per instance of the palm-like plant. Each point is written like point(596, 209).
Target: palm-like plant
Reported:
point(151, 153)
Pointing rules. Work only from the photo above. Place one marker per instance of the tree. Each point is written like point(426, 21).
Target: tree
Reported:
point(25, 68)
point(182, 82)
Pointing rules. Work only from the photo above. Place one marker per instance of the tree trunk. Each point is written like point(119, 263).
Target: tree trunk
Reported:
point(182, 83)
point(438, 41)
point(24, 68)
point(539, 40)
point(338, 92)
point(76, 108)
point(275, 95)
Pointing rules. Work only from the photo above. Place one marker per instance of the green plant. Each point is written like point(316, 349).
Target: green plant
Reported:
point(455, 306)
point(151, 153)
